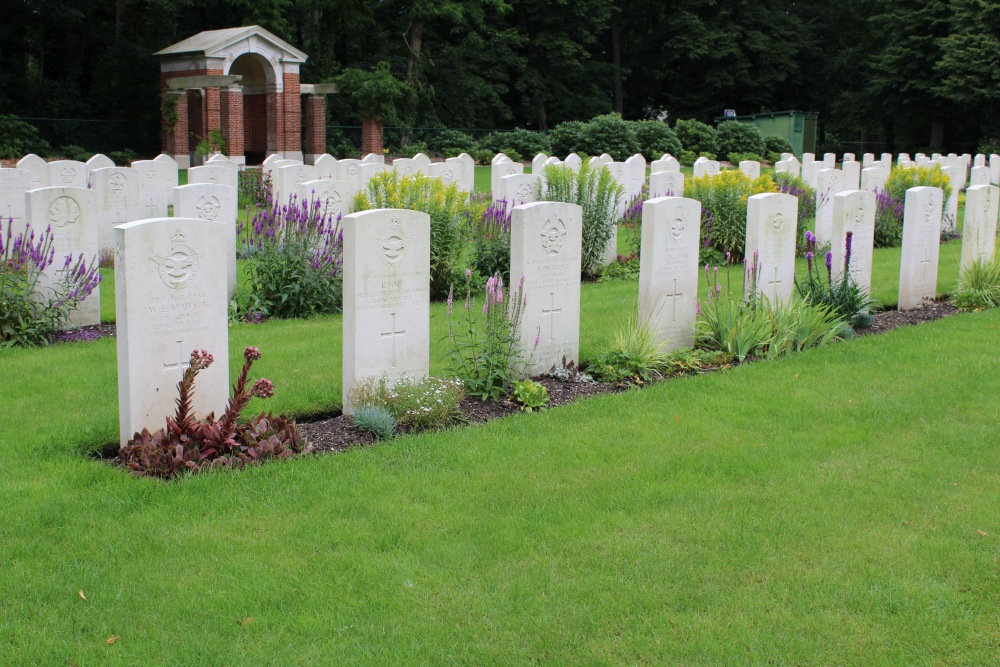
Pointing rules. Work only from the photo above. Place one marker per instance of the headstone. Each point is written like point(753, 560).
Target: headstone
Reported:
point(468, 172)
point(215, 173)
point(830, 160)
point(873, 179)
point(68, 174)
point(852, 175)
point(216, 203)
point(771, 225)
point(518, 189)
point(995, 169)
point(979, 161)
point(979, 176)
point(374, 158)
point(498, 171)
point(271, 159)
point(174, 173)
point(218, 157)
point(350, 171)
point(39, 169)
point(422, 162)
point(288, 179)
point(828, 183)
point(666, 184)
point(979, 233)
point(751, 168)
point(499, 157)
point(170, 299)
point(666, 163)
point(854, 211)
point(100, 161)
point(372, 169)
point(447, 172)
point(154, 187)
point(809, 170)
point(545, 247)
point(538, 162)
point(921, 246)
point(72, 215)
point(949, 218)
point(705, 167)
point(336, 198)
point(787, 166)
point(13, 184)
point(808, 157)
point(921, 160)
point(573, 161)
point(849, 157)
point(902, 158)
point(386, 297)
point(867, 159)
point(600, 161)
point(118, 199)
point(326, 167)
point(404, 166)
point(887, 159)
point(668, 269)
point(635, 176)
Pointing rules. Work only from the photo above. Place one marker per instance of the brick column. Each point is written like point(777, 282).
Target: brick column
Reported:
point(213, 109)
point(371, 136)
point(231, 111)
point(292, 124)
point(275, 122)
point(314, 143)
point(175, 138)
point(196, 121)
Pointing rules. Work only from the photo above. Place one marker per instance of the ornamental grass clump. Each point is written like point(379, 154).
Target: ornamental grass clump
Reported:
point(293, 262)
point(32, 310)
point(485, 344)
point(635, 356)
point(188, 444)
point(843, 296)
point(445, 204)
point(723, 200)
point(978, 286)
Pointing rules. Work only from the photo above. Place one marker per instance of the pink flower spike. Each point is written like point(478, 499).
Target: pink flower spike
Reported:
point(520, 285)
point(486, 307)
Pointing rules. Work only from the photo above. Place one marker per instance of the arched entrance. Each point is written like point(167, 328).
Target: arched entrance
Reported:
point(259, 118)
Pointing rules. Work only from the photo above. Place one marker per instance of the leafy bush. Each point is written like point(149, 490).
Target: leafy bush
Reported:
point(416, 405)
point(293, 257)
point(696, 137)
point(989, 146)
point(73, 152)
point(732, 136)
point(213, 142)
point(482, 157)
point(634, 357)
point(191, 445)
point(979, 286)
point(775, 144)
point(376, 420)
point(413, 149)
point(609, 134)
point(377, 92)
point(124, 157)
point(526, 143)
point(491, 237)
point(843, 296)
point(31, 313)
point(451, 143)
point(485, 353)
point(444, 203)
point(18, 138)
point(567, 138)
point(736, 158)
point(599, 195)
point(531, 395)
point(888, 220)
point(342, 146)
point(902, 179)
point(724, 207)
point(655, 138)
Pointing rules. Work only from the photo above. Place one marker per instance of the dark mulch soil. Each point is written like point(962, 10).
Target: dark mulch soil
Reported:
point(890, 319)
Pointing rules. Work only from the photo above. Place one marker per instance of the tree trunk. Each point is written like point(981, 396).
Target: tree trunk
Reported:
point(416, 41)
point(543, 120)
point(316, 15)
point(616, 60)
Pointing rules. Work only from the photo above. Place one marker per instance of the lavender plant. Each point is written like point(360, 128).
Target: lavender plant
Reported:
point(490, 231)
point(486, 353)
point(843, 296)
point(293, 260)
point(888, 220)
point(33, 310)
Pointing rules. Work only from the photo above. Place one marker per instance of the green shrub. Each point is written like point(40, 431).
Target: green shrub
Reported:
point(444, 203)
point(523, 142)
point(978, 286)
point(73, 152)
point(989, 146)
point(340, 145)
point(531, 395)
point(609, 134)
point(732, 136)
point(902, 179)
point(416, 405)
point(123, 158)
point(376, 420)
point(18, 138)
point(599, 195)
point(482, 156)
point(634, 357)
point(736, 158)
point(775, 144)
point(451, 143)
point(842, 296)
point(567, 138)
point(413, 149)
point(724, 207)
point(490, 222)
point(696, 137)
point(655, 138)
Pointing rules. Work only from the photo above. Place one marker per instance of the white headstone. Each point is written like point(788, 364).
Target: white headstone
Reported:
point(404, 166)
point(666, 184)
point(979, 176)
point(350, 171)
point(155, 187)
point(68, 174)
point(220, 175)
point(372, 169)
point(705, 167)
point(498, 171)
point(854, 211)
point(830, 160)
point(598, 162)
point(336, 198)
point(39, 169)
point(979, 160)
point(921, 246)
point(666, 163)
point(386, 297)
point(995, 169)
point(979, 233)
point(100, 161)
point(887, 159)
point(72, 215)
point(851, 171)
point(170, 299)
point(538, 162)
point(118, 199)
point(288, 179)
point(867, 159)
point(873, 179)
point(373, 158)
point(849, 157)
point(751, 168)
point(448, 172)
point(518, 189)
point(174, 173)
point(468, 183)
point(216, 203)
point(13, 184)
point(949, 217)
point(545, 247)
point(787, 166)
point(500, 157)
point(422, 162)
point(326, 167)
point(808, 157)
point(271, 159)
point(809, 170)
point(635, 176)
point(828, 183)
point(573, 161)
point(771, 224)
point(668, 269)
point(902, 158)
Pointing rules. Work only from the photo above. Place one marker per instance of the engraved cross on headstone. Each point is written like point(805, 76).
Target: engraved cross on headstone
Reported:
point(392, 334)
point(182, 361)
point(774, 285)
point(673, 299)
point(551, 314)
point(925, 262)
point(152, 210)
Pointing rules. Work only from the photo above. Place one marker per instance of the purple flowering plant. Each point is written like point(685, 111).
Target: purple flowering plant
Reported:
point(840, 293)
point(489, 228)
point(38, 288)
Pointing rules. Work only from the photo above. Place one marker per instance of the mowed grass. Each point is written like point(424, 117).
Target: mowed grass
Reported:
point(834, 507)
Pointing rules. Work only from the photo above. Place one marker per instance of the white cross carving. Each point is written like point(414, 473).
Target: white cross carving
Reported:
point(774, 284)
point(551, 313)
point(392, 334)
point(673, 299)
point(181, 364)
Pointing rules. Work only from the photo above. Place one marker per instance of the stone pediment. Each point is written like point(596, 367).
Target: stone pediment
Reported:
point(221, 43)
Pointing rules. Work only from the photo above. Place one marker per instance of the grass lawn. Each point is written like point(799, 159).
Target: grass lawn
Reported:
point(822, 509)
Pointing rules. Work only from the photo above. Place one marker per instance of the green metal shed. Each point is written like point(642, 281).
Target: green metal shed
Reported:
point(798, 127)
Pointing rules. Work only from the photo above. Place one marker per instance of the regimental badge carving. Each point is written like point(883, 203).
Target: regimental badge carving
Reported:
point(776, 220)
point(179, 265)
point(394, 244)
point(300, 179)
point(553, 236)
point(859, 216)
point(678, 224)
point(352, 170)
point(64, 211)
point(929, 210)
point(448, 176)
point(834, 183)
point(208, 207)
point(117, 182)
point(151, 175)
point(68, 175)
point(524, 192)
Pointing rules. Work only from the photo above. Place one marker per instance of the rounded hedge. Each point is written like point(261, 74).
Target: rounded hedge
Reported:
point(696, 137)
point(610, 134)
point(656, 138)
point(736, 137)
point(567, 137)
